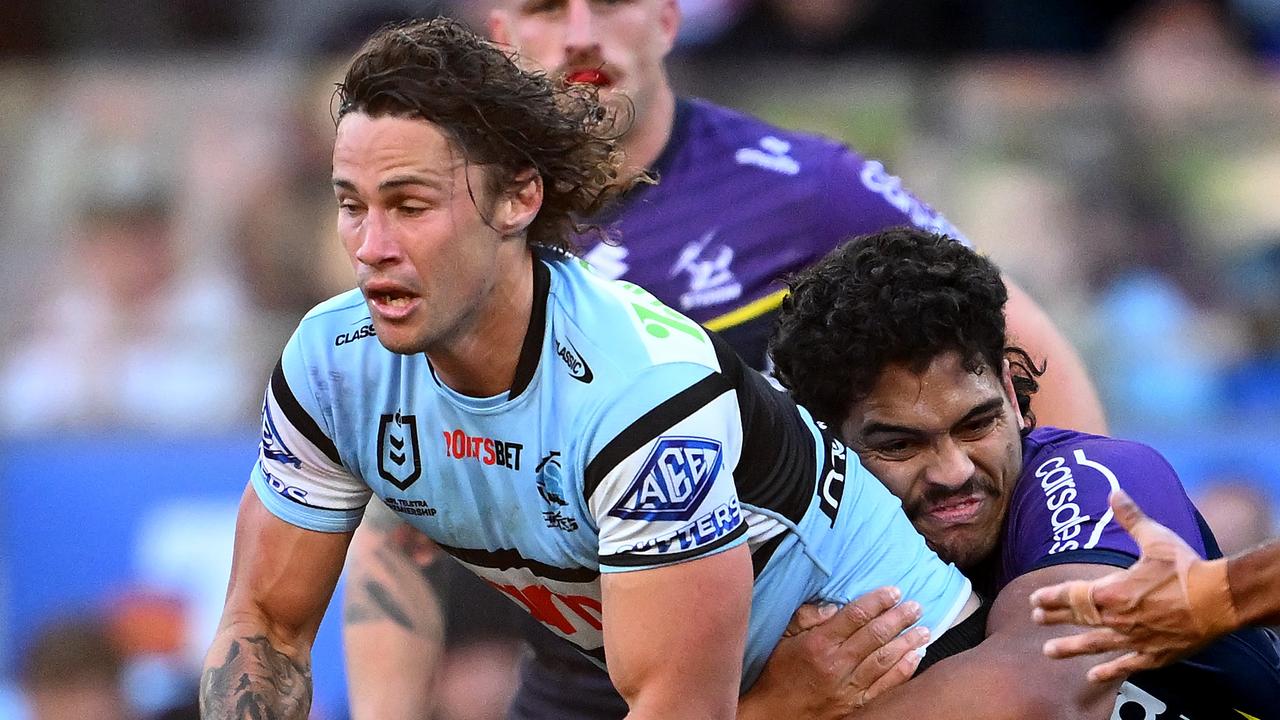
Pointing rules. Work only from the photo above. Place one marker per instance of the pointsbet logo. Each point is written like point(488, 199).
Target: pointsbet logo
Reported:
point(458, 445)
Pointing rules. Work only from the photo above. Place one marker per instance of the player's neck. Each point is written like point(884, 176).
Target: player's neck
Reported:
point(645, 141)
point(481, 360)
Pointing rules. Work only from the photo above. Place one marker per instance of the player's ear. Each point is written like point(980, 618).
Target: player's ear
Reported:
point(1006, 381)
point(499, 22)
point(519, 203)
point(669, 18)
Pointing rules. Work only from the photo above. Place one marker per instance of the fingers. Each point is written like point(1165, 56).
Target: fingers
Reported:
point(853, 617)
point(891, 665)
point(808, 617)
point(1052, 599)
point(1087, 643)
point(1126, 510)
point(1121, 667)
point(1062, 616)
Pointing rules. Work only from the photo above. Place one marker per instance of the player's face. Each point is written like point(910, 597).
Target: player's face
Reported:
point(424, 256)
point(945, 441)
point(617, 45)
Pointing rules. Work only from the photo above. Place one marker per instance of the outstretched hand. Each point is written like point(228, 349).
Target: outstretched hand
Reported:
point(1164, 607)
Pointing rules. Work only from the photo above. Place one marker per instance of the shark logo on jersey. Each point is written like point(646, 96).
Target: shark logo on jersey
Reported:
point(551, 488)
point(711, 280)
point(673, 480)
point(550, 480)
point(772, 155)
point(399, 458)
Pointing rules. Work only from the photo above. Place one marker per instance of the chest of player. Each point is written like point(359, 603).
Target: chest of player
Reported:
point(483, 479)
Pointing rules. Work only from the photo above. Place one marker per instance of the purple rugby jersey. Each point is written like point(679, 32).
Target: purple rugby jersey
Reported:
point(1059, 511)
point(739, 205)
point(1059, 514)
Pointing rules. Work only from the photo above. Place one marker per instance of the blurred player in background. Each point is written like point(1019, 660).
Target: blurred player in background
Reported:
point(898, 340)
point(739, 205)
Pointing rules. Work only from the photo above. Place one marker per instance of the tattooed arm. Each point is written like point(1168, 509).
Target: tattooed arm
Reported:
point(391, 620)
point(281, 580)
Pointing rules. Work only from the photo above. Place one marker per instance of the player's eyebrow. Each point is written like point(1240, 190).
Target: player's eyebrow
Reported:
point(396, 181)
point(984, 408)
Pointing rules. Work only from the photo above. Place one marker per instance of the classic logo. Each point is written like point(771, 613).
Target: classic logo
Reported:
point(878, 180)
point(578, 368)
point(674, 478)
point(364, 332)
point(831, 490)
point(711, 279)
point(399, 458)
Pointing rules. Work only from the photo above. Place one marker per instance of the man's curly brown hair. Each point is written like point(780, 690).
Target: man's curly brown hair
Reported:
point(497, 114)
point(900, 296)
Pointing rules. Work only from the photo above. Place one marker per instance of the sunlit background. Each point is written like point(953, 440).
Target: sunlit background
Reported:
point(166, 219)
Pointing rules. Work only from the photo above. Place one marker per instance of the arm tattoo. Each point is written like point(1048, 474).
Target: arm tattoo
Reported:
point(255, 682)
point(380, 604)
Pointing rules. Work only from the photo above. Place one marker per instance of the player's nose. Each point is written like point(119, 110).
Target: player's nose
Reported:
point(950, 465)
point(580, 32)
point(378, 245)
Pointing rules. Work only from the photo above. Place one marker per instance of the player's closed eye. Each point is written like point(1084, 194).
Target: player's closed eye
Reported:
point(976, 428)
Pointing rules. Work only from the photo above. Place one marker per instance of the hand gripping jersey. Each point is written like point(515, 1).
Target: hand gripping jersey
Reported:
point(630, 439)
point(1059, 514)
point(739, 206)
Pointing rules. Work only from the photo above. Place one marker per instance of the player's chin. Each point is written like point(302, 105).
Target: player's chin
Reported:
point(400, 339)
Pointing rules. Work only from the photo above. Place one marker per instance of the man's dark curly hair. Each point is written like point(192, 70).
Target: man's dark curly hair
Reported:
point(900, 296)
point(496, 113)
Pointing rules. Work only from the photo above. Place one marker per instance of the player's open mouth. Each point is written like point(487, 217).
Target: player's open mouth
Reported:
point(956, 510)
point(392, 304)
point(593, 76)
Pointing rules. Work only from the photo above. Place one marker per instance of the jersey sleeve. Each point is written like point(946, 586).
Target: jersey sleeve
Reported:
point(658, 479)
point(865, 197)
point(299, 475)
point(1061, 514)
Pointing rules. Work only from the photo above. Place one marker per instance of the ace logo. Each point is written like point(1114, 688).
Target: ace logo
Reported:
point(399, 458)
point(673, 480)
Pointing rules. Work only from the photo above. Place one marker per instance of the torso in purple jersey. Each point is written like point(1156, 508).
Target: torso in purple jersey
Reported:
point(738, 206)
point(1059, 514)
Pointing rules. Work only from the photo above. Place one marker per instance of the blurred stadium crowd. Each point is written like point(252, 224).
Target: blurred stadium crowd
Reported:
point(166, 218)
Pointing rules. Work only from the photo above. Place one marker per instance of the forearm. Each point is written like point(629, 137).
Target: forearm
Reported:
point(392, 629)
point(994, 681)
point(1254, 578)
point(250, 674)
point(1066, 397)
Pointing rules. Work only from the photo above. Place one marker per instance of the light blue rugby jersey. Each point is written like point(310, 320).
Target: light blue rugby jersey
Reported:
point(631, 439)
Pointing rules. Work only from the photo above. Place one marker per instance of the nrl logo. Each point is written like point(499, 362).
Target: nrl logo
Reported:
point(399, 458)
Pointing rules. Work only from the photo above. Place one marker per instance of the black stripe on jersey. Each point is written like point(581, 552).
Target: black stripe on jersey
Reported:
point(531, 350)
point(637, 560)
point(650, 426)
point(298, 416)
point(778, 468)
point(762, 554)
point(508, 559)
point(598, 653)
